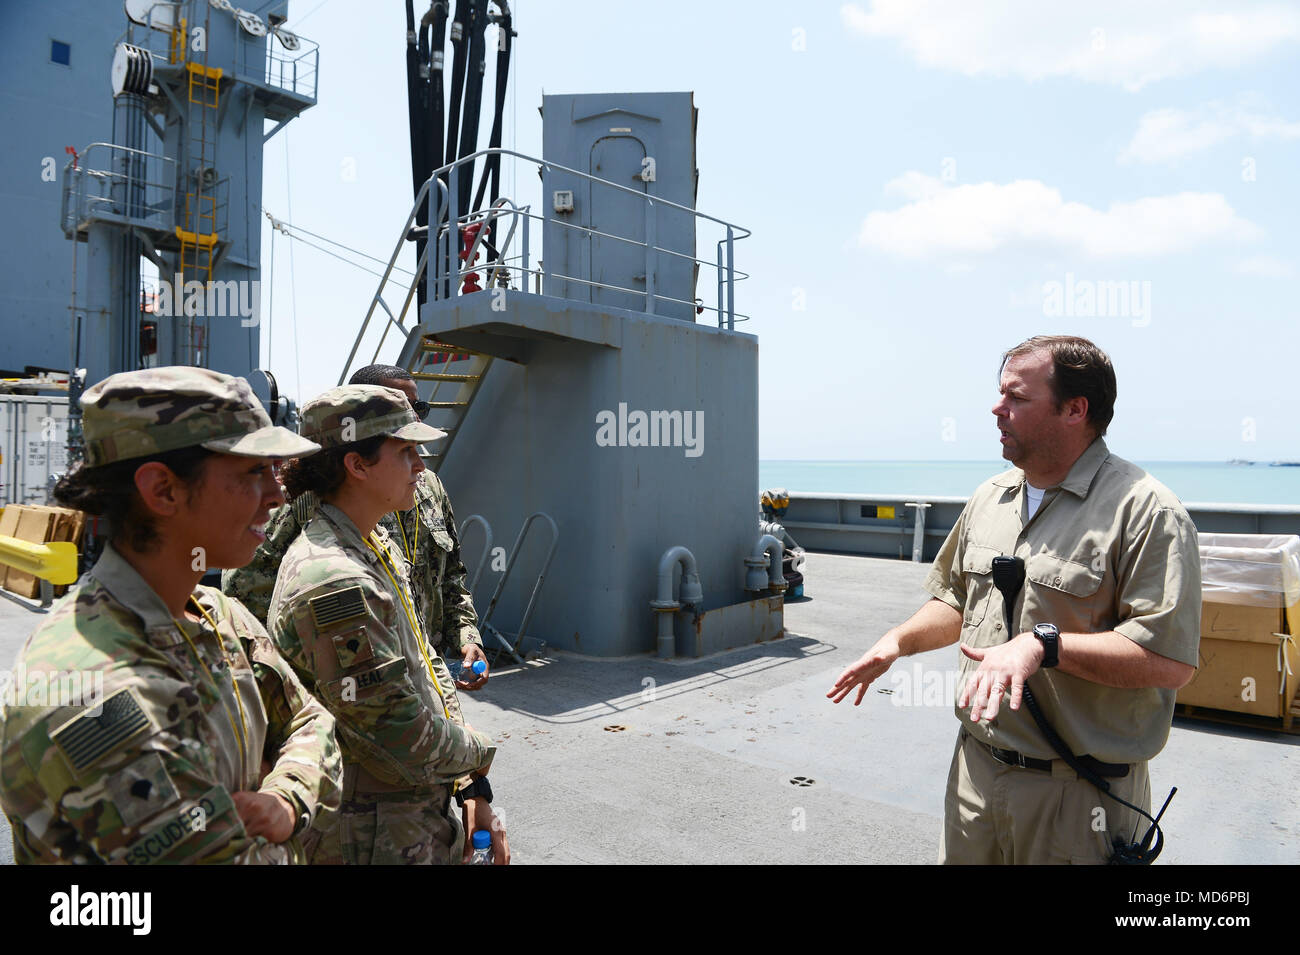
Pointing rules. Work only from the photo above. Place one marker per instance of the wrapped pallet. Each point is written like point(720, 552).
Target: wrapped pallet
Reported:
point(1250, 615)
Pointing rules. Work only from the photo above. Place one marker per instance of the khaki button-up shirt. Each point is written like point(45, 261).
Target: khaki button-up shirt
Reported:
point(1109, 548)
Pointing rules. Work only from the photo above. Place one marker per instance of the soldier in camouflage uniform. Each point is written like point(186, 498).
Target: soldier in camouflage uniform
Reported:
point(343, 615)
point(204, 746)
point(427, 535)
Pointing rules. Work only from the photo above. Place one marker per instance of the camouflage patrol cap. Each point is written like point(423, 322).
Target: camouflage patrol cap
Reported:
point(351, 413)
point(135, 414)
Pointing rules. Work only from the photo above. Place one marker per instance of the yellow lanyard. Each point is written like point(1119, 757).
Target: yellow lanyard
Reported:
point(415, 626)
point(239, 731)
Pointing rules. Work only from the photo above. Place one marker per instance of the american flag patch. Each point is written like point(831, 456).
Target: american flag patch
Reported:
point(87, 739)
point(338, 607)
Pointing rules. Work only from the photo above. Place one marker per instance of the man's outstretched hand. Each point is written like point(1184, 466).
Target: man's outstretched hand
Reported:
point(862, 674)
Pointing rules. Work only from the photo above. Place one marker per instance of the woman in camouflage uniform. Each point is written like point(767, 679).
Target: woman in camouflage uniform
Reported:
point(204, 746)
point(343, 615)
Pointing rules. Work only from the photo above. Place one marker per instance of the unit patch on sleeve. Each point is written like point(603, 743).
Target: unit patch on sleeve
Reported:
point(87, 739)
point(353, 647)
point(141, 789)
point(337, 607)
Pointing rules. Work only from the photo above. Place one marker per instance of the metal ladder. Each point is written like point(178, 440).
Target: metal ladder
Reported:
point(433, 361)
point(198, 236)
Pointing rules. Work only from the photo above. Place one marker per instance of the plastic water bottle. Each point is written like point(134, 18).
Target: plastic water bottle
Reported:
point(458, 673)
point(482, 841)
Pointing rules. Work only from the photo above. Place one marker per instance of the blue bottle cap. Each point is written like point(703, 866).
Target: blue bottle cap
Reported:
point(482, 839)
point(479, 667)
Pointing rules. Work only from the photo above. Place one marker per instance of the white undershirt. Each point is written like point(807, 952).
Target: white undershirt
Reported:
point(1033, 497)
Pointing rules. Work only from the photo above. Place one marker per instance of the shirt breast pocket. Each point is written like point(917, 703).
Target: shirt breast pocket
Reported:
point(1066, 592)
point(977, 570)
point(440, 548)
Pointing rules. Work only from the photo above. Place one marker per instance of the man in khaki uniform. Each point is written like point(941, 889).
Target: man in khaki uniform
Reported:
point(1111, 564)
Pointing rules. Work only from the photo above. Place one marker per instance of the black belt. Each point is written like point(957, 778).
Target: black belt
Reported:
point(1011, 758)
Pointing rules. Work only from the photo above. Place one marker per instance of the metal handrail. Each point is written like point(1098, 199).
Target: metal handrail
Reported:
point(307, 77)
point(485, 623)
point(444, 244)
point(78, 170)
point(604, 182)
point(377, 298)
point(726, 269)
point(525, 211)
point(487, 546)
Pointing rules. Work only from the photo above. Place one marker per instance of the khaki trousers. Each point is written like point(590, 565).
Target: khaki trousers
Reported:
point(995, 814)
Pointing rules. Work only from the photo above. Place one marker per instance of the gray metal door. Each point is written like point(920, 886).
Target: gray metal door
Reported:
point(615, 212)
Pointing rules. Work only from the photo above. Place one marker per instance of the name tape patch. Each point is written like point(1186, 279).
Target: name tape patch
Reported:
point(190, 818)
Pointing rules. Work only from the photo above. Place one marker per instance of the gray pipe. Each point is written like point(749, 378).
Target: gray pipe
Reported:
point(779, 532)
point(664, 605)
point(767, 550)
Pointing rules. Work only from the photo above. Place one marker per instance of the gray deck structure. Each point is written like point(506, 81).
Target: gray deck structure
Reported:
point(701, 771)
point(915, 527)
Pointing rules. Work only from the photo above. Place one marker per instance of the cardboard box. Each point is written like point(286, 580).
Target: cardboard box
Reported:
point(39, 525)
point(34, 525)
point(1244, 664)
point(69, 525)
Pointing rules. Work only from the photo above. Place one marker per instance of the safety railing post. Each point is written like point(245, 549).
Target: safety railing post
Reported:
point(453, 230)
point(650, 240)
point(731, 279)
point(523, 276)
point(918, 529)
point(433, 277)
point(721, 318)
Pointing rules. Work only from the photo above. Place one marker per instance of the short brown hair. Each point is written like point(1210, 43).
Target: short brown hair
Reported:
point(108, 491)
point(323, 473)
point(1079, 370)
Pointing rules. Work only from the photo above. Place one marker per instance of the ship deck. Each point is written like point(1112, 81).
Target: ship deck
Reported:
point(636, 760)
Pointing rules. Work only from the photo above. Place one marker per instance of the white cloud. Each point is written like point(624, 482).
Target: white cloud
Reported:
point(913, 185)
point(1166, 134)
point(1116, 42)
point(987, 216)
point(1266, 266)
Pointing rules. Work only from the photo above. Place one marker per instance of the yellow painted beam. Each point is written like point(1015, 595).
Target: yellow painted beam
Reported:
point(55, 561)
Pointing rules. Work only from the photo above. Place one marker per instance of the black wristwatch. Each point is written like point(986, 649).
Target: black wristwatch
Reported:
point(478, 789)
point(303, 821)
point(1050, 637)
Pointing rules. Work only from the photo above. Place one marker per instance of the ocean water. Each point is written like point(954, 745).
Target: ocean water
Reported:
point(1193, 481)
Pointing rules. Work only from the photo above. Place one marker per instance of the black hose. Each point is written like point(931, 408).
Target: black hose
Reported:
point(414, 97)
point(492, 165)
point(475, 68)
point(459, 29)
point(437, 119)
point(416, 100)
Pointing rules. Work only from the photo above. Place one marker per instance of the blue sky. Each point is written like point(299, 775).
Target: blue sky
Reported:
point(917, 175)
